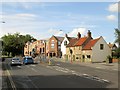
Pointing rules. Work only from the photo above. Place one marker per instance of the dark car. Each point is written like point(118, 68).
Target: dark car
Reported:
point(28, 60)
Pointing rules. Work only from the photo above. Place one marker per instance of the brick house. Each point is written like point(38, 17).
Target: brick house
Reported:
point(54, 46)
point(41, 47)
point(28, 49)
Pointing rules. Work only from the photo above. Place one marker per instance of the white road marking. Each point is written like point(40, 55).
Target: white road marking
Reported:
point(115, 69)
point(19, 66)
point(33, 69)
point(72, 71)
point(105, 80)
point(98, 67)
point(85, 74)
point(33, 65)
point(65, 70)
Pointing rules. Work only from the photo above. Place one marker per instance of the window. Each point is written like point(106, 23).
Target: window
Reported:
point(65, 42)
point(52, 41)
point(83, 56)
point(54, 54)
point(43, 50)
point(25, 46)
point(59, 42)
point(52, 45)
point(88, 56)
point(77, 58)
point(101, 46)
point(59, 47)
point(40, 50)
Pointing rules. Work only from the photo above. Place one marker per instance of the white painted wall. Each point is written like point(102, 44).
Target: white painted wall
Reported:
point(63, 47)
point(100, 55)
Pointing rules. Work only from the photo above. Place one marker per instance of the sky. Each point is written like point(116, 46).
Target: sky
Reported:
point(44, 19)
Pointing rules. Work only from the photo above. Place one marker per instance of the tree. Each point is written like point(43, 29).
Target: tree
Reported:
point(14, 44)
point(117, 35)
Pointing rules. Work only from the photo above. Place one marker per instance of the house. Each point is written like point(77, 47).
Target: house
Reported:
point(96, 50)
point(28, 49)
point(41, 47)
point(87, 49)
point(76, 46)
point(113, 47)
point(64, 43)
point(54, 46)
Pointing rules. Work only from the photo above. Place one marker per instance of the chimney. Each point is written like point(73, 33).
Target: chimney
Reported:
point(89, 33)
point(79, 35)
point(66, 35)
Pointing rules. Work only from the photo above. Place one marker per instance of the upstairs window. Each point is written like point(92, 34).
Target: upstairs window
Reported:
point(52, 45)
point(65, 42)
point(101, 46)
point(52, 41)
point(59, 43)
point(25, 46)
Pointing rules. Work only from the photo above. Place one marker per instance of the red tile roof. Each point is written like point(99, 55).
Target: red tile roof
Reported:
point(90, 44)
point(80, 41)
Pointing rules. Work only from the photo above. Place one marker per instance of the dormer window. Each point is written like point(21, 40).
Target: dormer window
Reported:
point(65, 42)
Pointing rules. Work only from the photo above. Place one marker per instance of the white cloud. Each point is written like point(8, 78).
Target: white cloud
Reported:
point(113, 7)
point(25, 15)
point(76, 30)
point(111, 17)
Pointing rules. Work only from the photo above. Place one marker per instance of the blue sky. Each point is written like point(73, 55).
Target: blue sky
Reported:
point(44, 19)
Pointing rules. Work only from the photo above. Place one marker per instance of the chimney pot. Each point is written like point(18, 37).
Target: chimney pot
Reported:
point(89, 33)
point(79, 35)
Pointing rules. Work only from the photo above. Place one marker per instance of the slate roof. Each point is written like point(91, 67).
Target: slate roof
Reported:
point(59, 38)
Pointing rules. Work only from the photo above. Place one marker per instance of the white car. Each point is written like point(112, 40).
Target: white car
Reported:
point(16, 61)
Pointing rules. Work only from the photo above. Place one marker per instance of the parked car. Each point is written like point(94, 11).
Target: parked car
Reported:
point(28, 60)
point(16, 61)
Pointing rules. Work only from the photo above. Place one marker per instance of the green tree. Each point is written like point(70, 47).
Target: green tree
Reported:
point(117, 35)
point(14, 43)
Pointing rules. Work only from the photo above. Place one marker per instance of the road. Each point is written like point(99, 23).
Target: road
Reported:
point(62, 75)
